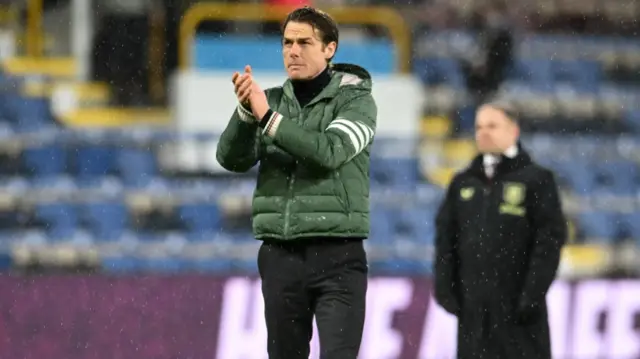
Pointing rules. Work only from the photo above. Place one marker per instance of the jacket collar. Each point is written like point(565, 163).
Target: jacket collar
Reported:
point(513, 159)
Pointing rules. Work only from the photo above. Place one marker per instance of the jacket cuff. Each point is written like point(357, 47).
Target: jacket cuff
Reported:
point(270, 123)
point(245, 115)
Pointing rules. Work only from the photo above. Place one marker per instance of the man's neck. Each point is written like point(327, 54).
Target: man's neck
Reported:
point(307, 90)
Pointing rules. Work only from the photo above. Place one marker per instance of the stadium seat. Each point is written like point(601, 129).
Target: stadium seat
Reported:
point(136, 166)
point(395, 172)
point(10, 164)
point(166, 264)
point(45, 161)
point(617, 177)
point(601, 226)
point(417, 224)
point(578, 175)
point(202, 220)
point(401, 266)
point(538, 73)
point(440, 71)
point(106, 221)
point(121, 264)
point(467, 118)
point(584, 75)
point(29, 114)
point(382, 225)
point(632, 120)
point(60, 220)
point(629, 223)
point(207, 265)
point(247, 265)
point(94, 161)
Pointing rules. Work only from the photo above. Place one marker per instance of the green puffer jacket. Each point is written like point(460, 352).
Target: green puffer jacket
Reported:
point(313, 178)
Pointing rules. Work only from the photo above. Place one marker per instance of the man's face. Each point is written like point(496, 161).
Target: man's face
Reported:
point(495, 132)
point(305, 56)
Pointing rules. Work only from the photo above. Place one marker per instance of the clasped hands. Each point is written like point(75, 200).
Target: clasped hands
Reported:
point(249, 93)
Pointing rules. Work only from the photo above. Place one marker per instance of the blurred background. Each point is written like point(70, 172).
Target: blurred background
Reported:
point(121, 237)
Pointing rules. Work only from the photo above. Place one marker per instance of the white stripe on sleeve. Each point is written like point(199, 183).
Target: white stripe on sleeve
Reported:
point(359, 134)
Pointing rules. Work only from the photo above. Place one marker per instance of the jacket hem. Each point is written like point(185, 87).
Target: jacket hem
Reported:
point(280, 237)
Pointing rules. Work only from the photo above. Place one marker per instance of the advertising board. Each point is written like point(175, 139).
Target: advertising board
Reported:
point(204, 317)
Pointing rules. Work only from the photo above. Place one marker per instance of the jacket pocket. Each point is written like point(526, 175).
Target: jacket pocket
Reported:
point(341, 192)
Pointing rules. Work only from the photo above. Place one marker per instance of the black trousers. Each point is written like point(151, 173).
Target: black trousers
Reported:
point(322, 277)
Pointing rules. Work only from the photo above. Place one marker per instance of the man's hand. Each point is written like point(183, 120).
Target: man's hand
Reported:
point(243, 86)
point(258, 99)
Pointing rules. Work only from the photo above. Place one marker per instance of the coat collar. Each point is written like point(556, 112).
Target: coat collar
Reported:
point(511, 160)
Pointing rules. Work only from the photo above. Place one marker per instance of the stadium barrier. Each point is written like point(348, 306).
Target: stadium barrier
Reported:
point(382, 16)
point(197, 316)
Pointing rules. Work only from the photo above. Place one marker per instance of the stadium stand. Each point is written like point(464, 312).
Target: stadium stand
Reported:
point(104, 195)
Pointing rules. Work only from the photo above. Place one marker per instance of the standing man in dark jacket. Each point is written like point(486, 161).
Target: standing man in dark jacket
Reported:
point(312, 137)
point(499, 235)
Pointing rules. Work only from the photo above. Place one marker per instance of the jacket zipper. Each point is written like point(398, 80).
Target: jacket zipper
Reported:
point(486, 197)
point(292, 180)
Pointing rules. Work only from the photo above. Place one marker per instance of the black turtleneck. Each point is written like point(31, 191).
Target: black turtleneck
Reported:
point(307, 90)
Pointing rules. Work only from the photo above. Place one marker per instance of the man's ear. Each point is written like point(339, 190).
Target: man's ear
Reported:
point(330, 50)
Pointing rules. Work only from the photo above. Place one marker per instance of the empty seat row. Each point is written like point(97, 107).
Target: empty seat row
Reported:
point(395, 172)
point(140, 165)
point(173, 264)
point(584, 75)
point(390, 224)
point(133, 165)
point(621, 177)
point(608, 226)
point(111, 220)
point(604, 49)
point(108, 221)
point(25, 114)
point(540, 74)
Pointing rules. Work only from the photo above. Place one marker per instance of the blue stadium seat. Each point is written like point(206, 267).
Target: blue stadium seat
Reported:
point(630, 225)
point(136, 166)
point(417, 223)
point(248, 265)
point(617, 177)
point(632, 119)
point(382, 225)
point(29, 114)
point(395, 172)
point(578, 175)
point(598, 225)
point(440, 71)
point(121, 264)
point(401, 266)
point(210, 265)
point(162, 265)
point(94, 161)
point(201, 219)
point(467, 118)
point(45, 161)
point(106, 221)
point(60, 219)
point(536, 72)
point(584, 75)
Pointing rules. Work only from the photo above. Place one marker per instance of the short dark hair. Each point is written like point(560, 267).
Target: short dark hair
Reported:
point(319, 21)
